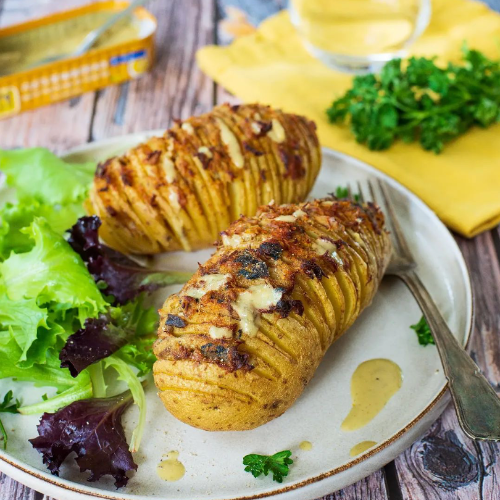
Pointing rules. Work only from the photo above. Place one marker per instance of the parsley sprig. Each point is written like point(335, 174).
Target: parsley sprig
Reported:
point(263, 464)
point(7, 406)
point(423, 332)
point(419, 100)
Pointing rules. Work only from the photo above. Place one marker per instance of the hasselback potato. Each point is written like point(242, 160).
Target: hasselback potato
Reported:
point(177, 192)
point(237, 345)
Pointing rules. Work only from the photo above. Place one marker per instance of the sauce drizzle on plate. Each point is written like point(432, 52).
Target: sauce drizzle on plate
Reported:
point(373, 383)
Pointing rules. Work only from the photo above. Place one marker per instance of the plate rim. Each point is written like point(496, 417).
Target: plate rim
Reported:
point(67, 485)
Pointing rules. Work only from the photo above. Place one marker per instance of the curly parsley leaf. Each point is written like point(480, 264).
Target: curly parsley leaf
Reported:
point(423, 332)
point(278, 464)
point(419, 100)
point(7, 406)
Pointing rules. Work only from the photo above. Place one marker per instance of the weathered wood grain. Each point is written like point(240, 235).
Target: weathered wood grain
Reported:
point(60, 126)
point(446, 464)
point(370, 488)
point(175, 88)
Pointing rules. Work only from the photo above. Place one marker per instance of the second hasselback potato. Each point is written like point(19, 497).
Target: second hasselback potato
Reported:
point(238, 344)
point(177, 192)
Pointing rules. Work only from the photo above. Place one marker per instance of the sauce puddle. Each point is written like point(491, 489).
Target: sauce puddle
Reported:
point(306, 445)
point(361, 447)
point(373, 383)
point(170, 469)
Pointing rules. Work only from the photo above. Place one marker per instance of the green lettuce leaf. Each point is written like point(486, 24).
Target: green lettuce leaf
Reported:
point(40, 174)
point(51, 272)
point(49, 374)
point(24, 318)
point(14, 217)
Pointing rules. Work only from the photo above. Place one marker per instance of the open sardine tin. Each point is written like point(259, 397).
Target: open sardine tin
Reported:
point(126, 51)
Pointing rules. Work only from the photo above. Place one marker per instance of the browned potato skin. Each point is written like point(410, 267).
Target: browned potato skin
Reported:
point(177, 192)
point(251, 380)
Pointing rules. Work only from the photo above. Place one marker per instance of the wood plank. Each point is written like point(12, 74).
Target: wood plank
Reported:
point(12, 490)
point(175, 88)
point(59, 126)
point(370, 488)
point(446, 464)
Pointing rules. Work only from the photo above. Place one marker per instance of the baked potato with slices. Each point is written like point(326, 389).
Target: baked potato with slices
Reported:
point(238, 344)
point(177, 192)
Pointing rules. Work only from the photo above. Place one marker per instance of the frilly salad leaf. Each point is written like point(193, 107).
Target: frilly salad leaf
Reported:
point(24, 317)
point(92, 429)
point(130, 328)
point(14, 217)
point(52, 274)
point(124, 279)
point(37, 173)
point(45, 186)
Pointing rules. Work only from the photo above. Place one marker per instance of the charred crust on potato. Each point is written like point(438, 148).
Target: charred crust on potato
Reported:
point(204, 159)
point(174, 320)
point(153, 157)
point(127, 177)
point(285, 306)
point(270, 249)
point(226, 356)
point(293, 164)
point(251, 149)
point(312, 269)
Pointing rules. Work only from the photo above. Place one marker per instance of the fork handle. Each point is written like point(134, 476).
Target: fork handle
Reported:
point(477, 404)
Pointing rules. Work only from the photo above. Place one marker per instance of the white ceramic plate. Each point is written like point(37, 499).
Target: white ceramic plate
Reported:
point(213, 461)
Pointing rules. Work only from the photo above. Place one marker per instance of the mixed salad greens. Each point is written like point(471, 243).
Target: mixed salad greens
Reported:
point(73, 314)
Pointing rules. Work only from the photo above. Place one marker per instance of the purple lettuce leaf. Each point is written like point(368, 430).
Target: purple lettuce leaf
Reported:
point(92, 429)
point(98, 339)
point(130, 328)
point(123, 278)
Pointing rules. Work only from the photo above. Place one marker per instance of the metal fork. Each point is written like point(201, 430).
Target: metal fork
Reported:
point(476, 403)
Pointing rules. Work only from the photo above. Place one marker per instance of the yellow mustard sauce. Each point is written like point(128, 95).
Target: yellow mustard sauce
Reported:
point(19, 51)
point(361, 447)
point(373, 383)
point(306, 446)
point(170, 469)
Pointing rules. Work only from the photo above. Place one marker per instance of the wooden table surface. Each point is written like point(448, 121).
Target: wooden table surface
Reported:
point(444, 464)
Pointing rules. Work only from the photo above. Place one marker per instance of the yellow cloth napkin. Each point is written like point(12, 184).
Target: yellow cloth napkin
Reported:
point(462, 184)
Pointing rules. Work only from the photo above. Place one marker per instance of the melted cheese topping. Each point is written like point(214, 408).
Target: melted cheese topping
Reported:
point(205, 151)
point(207, 283)
point(286, 218)
point(217, 332)
point(233, 146)
point(169, 169)
point(299, 213)
point(256, 128)
point(277, 133)
point(248, 304)
point(173, 198)
point(187, 127)
point(322, 246)
point(236, 239)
